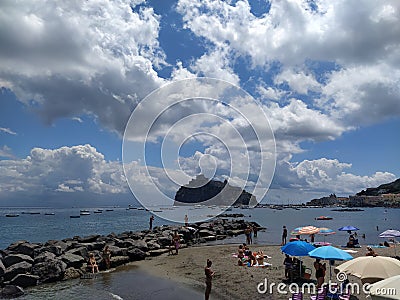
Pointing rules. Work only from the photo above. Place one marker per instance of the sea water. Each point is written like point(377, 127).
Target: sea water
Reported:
point(41, 227)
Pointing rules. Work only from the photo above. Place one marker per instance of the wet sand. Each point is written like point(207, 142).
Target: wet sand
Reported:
point(232, 281)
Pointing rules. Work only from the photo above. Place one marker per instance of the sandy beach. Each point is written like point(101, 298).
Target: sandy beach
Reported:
point(232, 281)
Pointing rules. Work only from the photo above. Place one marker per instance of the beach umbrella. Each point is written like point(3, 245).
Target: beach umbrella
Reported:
point(390, 234)
point(390, 286)
point(297, 248)
point(330, 253)
point(325, 231)
point(348, 228)
point(371, 268)
point(305, 230)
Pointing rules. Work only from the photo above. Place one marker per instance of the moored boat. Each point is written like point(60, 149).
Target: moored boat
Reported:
point(74, 217)
point(323, 218)
point(12, 215)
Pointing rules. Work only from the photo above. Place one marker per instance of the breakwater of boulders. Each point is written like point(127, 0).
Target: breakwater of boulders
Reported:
point(24, 264)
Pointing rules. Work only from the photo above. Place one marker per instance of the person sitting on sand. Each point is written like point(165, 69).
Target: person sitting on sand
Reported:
point(247, 251)
point(209, 276)
point(386, 244)
point(251, 260)
point(288, 263)
point(92, 263)
point(260, 258)
point(350, 243)
point(370, 252)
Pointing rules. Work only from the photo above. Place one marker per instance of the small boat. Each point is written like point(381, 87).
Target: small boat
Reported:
point(74, 217)
point(49, 214)
point(12, 215)
point(109, 210)
point(84, 210)
point(34, 213)
point(140, 208)
point(98, 212)
point(84, 213)
point(323, 218)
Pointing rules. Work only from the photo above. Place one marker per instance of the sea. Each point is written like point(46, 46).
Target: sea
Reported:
point(42, 224)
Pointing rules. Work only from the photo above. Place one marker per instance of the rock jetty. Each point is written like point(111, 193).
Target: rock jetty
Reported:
point(24, 264)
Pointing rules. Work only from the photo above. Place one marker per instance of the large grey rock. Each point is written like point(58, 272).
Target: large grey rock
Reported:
point(72, 260)
point(50, 270)
point(140, 244)
point(157, 252)
point(164, 241)
point(87, 239)
point(72, 273)
point(136, 254)
point(11, 291)
point(94, 246)
point(206, 232)
point(25, 280)
point(81, 251)
point(18, 268)
point(44, 256)
point(61, 244)
point(2, 268)
point(153, 245)
point(57, 250)
point(117, 251)
point(24, 248)
point(124, 243)
point(12, 259)
point(119, 260)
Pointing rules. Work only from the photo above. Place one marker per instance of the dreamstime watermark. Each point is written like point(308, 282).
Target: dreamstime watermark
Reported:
point(198, 126)
point(332, 287)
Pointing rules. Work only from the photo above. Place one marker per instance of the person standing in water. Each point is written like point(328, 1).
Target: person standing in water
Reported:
point(209, 276)
point(284, 235)
point(186, 221)
point(151, 222)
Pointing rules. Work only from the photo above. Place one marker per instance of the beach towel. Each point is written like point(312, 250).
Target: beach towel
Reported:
point(263, 265)
point(377, 246)
point(350, 251)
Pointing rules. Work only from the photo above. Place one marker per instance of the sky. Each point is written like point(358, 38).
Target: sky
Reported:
point(322, 76)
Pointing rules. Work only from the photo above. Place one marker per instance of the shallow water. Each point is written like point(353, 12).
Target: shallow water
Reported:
point(126, 283)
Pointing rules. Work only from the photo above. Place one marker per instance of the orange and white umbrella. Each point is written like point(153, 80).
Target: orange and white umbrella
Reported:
point(305, 230)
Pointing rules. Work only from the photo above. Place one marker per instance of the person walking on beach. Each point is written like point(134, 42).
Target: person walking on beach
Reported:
point(176, 242)
point(151, 222)
point(284, 235)
point(209, 276)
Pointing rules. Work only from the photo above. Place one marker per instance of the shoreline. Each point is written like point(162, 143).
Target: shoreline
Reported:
point(232, 281)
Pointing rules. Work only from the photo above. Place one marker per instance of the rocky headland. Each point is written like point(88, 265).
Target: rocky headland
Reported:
point(202, 190)
point(24, 264)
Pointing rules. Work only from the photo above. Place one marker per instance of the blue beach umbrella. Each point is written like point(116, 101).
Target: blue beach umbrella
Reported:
point(297, 248)
point(330, 253)
point(348, 228)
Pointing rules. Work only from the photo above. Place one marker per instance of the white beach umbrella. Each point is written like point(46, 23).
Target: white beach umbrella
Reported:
point(370, 268)
point(390, 234)
point(386, 289)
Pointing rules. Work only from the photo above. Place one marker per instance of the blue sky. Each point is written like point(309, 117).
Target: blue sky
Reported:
point(326, 74)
